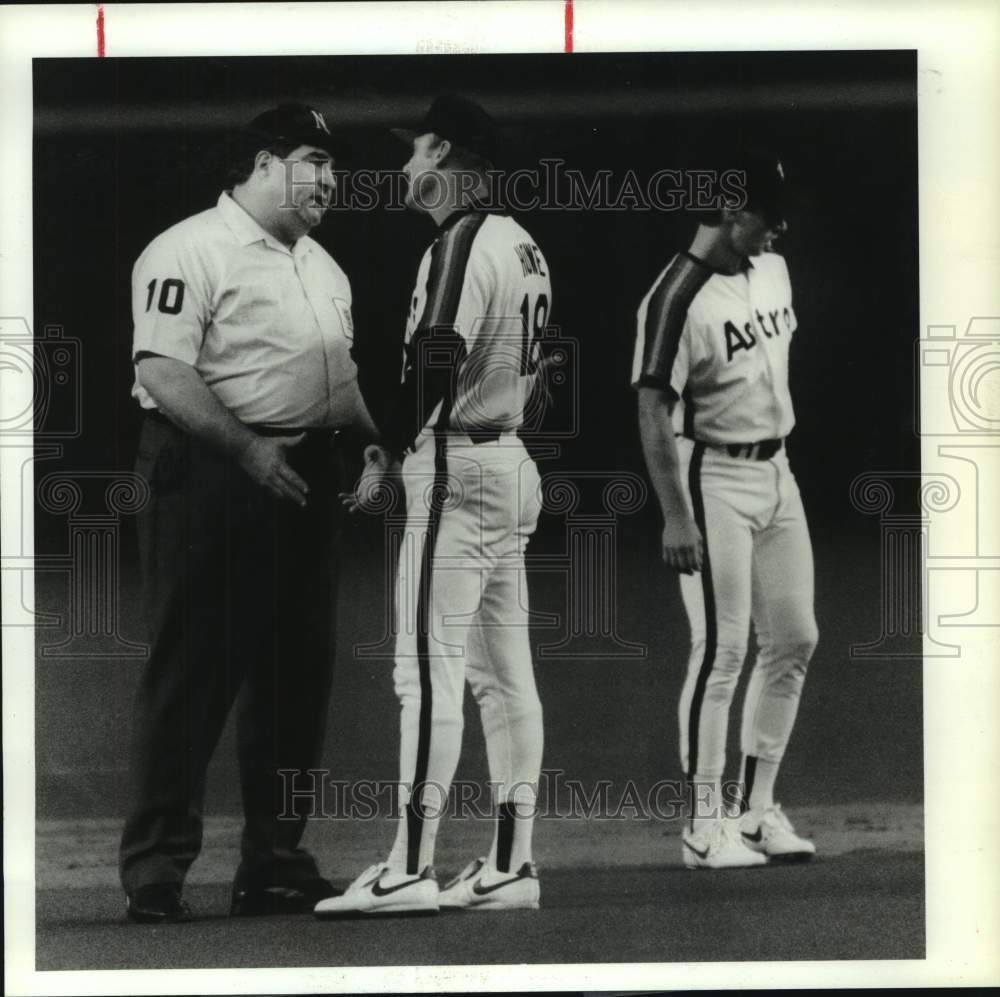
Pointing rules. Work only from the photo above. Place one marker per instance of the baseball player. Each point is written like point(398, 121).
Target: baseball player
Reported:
point(481, 300)
point(242, 351)
point(711, 369)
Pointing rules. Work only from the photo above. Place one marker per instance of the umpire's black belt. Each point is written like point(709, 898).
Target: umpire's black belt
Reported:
point(157, 416)
point(314, 439)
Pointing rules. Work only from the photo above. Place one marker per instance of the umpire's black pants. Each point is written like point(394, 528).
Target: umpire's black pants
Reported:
point(239, 594)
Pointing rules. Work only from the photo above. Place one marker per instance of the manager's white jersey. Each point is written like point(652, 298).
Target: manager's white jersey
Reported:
point(268, 328)
point(719, 342)
point(485, 279)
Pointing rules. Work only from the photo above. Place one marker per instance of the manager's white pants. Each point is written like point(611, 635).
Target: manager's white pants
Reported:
point(461, 602)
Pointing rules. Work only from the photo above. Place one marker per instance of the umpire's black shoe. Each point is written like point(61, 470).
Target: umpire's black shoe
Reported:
point(298, 899)
point(157, 903)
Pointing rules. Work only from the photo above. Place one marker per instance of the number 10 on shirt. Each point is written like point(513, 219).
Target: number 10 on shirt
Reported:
point(171, 299)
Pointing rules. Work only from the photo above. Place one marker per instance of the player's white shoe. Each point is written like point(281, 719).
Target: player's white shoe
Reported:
point(479, 887)
point(716, 844)
point(381, 890)
point(770, 833)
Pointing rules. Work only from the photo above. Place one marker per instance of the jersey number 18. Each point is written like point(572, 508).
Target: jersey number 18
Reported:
point(533, 318)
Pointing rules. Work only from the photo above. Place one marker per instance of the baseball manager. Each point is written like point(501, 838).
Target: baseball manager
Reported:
point(478, 310)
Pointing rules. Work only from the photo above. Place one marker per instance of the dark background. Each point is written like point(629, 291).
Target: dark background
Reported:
point(126, 147)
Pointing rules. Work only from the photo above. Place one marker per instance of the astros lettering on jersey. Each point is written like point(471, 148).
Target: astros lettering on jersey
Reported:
point(719, 342)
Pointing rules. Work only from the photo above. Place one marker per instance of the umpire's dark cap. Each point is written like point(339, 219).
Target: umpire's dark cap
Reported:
point(459, 120)
point(297, 123)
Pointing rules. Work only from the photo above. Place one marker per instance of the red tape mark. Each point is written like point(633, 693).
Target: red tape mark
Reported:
point(100, 31)
point(569, 25)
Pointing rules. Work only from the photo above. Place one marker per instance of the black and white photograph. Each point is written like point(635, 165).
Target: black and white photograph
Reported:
point(488, 514)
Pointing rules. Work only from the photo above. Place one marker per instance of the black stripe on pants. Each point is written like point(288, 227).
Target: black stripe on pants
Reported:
point(711, 624)
point(505, 835)
point(415, 808)
point(749, 774)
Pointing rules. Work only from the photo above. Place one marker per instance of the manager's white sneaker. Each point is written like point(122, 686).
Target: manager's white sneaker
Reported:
point(770, 833)
point(381, 890)
point(478, 887)
point(716, 844)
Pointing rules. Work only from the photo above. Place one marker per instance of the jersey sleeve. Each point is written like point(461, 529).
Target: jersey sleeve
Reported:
point(459, 290)
point(662, 355)
point(663, 347)
point(170, 301)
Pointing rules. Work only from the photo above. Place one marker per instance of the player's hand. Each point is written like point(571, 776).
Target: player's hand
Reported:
point(683, 546)
point(367, 495)
point(264, 460)
point(542, 385)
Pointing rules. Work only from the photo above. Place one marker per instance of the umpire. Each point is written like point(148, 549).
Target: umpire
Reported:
point(242, 352)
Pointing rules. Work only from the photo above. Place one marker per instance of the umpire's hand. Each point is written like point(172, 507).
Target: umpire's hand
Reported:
point(683, 546)
point(264, 460)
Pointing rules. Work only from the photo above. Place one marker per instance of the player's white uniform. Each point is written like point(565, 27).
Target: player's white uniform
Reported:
point(481, 299)
point(720, 344)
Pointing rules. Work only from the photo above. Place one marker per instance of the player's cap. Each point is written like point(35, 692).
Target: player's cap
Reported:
point(458, 120)
point(765, 185)
point(297, 123)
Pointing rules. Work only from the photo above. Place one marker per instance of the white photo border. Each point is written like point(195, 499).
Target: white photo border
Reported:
point(958, 84)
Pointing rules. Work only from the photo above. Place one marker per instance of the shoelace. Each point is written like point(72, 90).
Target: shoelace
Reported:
point(729, 831)
point(372, 870)
point(778, 817)
point(470, 870)
point(721, 833)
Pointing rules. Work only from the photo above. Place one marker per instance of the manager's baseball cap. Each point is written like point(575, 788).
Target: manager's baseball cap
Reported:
point(297, 123)
point(459, 120)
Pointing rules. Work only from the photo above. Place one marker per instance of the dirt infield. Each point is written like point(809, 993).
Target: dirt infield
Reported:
point(613, 891)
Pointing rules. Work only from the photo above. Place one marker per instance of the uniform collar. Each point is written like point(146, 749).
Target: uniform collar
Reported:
point(474, 208)
point(248, 231)
point(746, 266)
point(453, 219)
